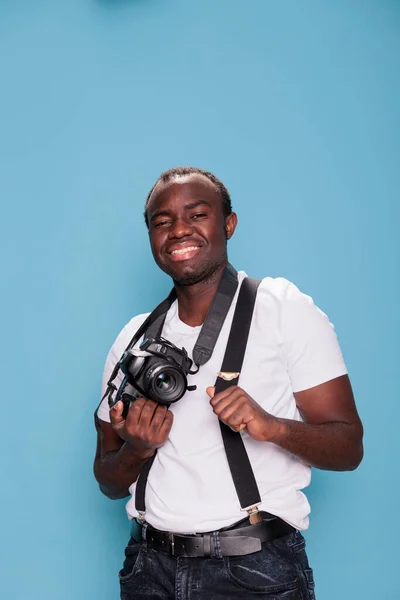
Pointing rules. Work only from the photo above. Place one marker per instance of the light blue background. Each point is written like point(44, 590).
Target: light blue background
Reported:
point(295, 106)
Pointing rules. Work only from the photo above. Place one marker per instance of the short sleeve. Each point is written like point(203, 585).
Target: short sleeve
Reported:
point(312, 351)
point(115, 353)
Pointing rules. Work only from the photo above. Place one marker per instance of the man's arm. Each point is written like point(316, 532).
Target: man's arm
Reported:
point(329, 438)
point(331, 435)
point(125, 445)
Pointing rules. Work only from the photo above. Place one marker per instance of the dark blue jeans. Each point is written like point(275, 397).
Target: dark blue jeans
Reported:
point(279, 571)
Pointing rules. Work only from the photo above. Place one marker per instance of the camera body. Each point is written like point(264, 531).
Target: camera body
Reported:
point(157, 370)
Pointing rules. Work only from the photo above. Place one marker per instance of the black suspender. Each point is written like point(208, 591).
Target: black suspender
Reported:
point(238, 460)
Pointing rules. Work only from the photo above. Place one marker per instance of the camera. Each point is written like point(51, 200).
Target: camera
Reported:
point(157, 370)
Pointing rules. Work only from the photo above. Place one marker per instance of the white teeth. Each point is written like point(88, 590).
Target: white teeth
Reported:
point(183, 250)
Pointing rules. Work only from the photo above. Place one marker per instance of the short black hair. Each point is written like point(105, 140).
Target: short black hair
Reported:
point(181, 172)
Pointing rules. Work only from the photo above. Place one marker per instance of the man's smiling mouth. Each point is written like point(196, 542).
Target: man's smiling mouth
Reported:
point(184, 253)
point(186, 249)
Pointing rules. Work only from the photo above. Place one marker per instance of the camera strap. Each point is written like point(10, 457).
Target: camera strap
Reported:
point(160, 310)
point(203, 349)
point(238, 460)
point(214, 320)
point(111, 388)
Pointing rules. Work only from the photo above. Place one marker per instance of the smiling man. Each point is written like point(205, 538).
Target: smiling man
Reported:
point(294, 408)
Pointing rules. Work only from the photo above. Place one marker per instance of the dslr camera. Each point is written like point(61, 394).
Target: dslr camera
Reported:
point(157, 370)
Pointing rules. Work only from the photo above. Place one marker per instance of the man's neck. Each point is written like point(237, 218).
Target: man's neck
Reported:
point(195, 300)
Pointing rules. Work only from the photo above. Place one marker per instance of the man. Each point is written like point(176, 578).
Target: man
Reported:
point(294, 407)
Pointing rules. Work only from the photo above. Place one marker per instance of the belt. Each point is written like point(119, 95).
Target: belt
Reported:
point(230, 542)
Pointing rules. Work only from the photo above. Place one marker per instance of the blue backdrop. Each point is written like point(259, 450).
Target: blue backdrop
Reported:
point(295, 106)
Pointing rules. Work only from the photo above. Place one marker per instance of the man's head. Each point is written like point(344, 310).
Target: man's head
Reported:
point(189, 216)
point(177, 172)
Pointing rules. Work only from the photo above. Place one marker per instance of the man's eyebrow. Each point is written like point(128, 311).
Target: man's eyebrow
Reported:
point(189, 206)
point(196, 203)
point(160, 213)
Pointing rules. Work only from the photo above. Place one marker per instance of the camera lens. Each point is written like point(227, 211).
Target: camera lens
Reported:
point(165, 383)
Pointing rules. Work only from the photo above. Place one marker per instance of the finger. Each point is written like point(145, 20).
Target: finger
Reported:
point(147, 412)
point(225, 410)
point(135, 409)
point(231, 390)
point(215, 397)
point(239, 419)
point(238, 427)
point(210, 391)
point(220, 401)
point(234, 423)
point(166, 425)
point(116, 413)
point(158, 417)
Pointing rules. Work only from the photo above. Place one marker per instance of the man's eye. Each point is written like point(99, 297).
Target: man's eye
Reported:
point(199, 215)
point(160, 223)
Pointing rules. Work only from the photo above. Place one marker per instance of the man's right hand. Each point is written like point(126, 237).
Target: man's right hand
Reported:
point(146, 426)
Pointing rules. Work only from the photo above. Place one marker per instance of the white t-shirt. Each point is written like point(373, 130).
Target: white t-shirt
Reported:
point(292, 346)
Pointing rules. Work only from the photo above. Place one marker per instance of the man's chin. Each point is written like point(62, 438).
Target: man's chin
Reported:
point(188, 280)
point(186, 275)
point(192, 275)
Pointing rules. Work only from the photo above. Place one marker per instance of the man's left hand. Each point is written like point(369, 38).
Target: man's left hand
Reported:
point(238, 410)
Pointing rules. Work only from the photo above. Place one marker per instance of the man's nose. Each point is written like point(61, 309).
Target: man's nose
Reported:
point(180, 228)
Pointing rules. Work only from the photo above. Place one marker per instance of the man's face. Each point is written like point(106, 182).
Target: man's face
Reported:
point(187, 228)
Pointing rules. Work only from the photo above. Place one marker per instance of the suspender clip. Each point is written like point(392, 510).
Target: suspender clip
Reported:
point(141, 517)
point(254, 514)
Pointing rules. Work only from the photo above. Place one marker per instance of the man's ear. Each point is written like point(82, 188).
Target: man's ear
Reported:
point(230, 225)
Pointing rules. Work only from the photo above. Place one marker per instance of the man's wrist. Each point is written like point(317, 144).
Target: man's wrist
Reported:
point(130, 452)
point(276, 430)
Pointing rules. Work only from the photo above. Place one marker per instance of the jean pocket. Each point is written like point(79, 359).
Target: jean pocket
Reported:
point(295, 542)
point(264, 572)
point(133, 561)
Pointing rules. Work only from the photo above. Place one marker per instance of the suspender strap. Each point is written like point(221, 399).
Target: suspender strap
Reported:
point(140, 490)
point(238, 460)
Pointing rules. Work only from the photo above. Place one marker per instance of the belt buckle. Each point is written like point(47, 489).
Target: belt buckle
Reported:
point(171, 543)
